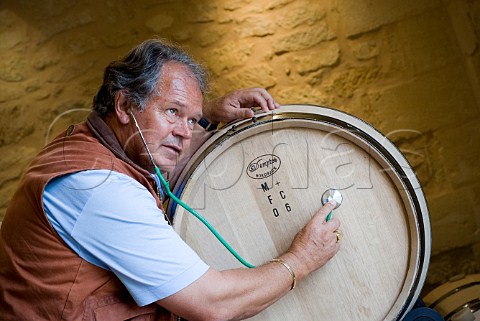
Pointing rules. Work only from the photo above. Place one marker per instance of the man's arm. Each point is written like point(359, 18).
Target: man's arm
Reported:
point(241, 293)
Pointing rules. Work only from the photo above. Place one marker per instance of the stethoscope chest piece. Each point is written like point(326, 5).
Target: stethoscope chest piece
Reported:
point(334, 194)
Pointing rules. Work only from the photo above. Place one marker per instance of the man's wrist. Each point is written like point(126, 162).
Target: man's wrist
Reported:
point(290, 270)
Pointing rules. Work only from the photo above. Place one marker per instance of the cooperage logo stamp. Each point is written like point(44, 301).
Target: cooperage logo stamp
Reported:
point(263, 166)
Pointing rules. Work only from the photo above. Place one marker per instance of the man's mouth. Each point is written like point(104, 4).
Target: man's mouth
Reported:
point(177, 149)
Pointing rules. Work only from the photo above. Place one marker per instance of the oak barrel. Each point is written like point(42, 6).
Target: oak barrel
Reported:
point(258, 181)
point(458, 299)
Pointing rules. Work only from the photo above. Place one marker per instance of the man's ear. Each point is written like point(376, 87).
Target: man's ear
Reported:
point(122, 106)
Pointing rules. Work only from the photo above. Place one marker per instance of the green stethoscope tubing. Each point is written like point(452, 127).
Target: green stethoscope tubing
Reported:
point(166, 186)
point(201, 218)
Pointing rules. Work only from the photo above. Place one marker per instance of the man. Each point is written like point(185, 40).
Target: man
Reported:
point(85, 237)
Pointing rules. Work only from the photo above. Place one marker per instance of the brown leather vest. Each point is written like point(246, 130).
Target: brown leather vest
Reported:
point(41, 278)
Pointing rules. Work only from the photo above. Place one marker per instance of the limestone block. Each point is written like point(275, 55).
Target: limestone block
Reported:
point(36, 89)
point(274, 4)
point(255, 26)
point(201, 11)
point(232, 5)
point(9, 92)
point(460, 151)
point(420, 149)
point(303, 39)
point(474, 66)
point(463, 25)
point(425, 43)
point(302, 13)
point(416, 45)
point(474, 15)
point(260, 75)
point(74, 19)
point(364, 49)
point(476, 248)
point(73, 109)
point(344, 83)
point(209, 36)
point(82, 43)
point(89, 86)
point(66, 73)
point(229, 56)
point(13, 30)
point(159, 23)
point(443, 98)
point(226, 18)
point(34, 84)
point(316, 78)
point(149, 4)
point(359, 16)
point(45, 57)
point(41, 95)
point(45, 9)
point(256, 7)
point(302, 95)
point(120, 38)
point(13, 131)
point(118, 14)
point(13, 67)
point(454, 218)
point(324, 55)
point(449, 263)
point(182, 35)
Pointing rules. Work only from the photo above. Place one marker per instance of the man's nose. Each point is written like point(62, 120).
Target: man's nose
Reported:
point(183, 129)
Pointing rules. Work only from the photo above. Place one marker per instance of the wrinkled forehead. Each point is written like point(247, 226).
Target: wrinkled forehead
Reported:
point(179, 81)
point(176, 70)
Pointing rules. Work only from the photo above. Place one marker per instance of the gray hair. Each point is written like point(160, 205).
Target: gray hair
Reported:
point(138, 72)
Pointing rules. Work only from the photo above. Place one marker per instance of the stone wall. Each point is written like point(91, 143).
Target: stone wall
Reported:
point(411, 68)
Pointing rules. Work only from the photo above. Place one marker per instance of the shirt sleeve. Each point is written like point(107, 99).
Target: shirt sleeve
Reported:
point(120, 228)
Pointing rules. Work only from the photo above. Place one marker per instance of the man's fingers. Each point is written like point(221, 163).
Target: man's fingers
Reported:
point(261, 98)
point(325, 210)
point(334, 223)
point(270, 103)
point(243, 113)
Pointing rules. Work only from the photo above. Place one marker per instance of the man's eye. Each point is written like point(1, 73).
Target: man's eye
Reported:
point(172, 111)
point(192, 121)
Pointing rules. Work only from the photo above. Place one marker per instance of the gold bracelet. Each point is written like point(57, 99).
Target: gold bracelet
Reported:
point(285, 264)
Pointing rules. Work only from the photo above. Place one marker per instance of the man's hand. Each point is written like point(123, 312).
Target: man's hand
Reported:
point(238, 104)
point(315, 244)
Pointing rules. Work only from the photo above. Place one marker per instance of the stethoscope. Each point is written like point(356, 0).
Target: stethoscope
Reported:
point(327, 196)
point(166, 187)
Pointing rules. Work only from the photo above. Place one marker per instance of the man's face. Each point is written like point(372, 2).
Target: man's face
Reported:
point(168, 120)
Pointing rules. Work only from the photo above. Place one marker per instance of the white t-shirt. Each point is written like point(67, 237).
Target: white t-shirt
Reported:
point(112, 221)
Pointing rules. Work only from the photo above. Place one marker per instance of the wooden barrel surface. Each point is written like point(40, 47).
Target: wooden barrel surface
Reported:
point(259, 181)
